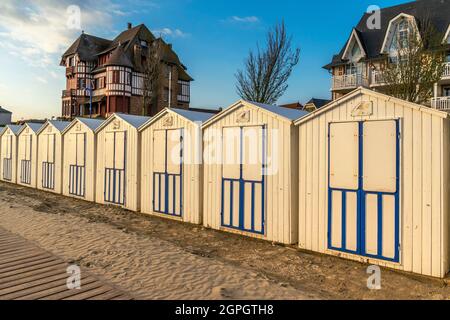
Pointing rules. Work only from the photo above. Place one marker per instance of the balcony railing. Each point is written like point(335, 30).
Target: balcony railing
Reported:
point(350, 81)
point(441, 103)
point(447, 70)
point(377, 78)
point(68, 93)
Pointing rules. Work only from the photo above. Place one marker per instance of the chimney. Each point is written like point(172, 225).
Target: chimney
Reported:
point(129, 25)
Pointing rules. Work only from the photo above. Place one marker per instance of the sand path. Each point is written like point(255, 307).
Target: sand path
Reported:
point(149, 268)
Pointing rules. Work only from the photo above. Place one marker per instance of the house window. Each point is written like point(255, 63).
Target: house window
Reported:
point(356, 51)
point(446, 91)
point(144, 44)
point(184, 91)
point(100, 83)
point(127, 78)
point(81, 83)
point(403, 34)
point(352, 69)
point(116, 76)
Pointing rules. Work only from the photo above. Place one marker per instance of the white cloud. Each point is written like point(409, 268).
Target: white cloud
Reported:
point(175, 33)
point(41, 79)
point(249, 19)
point(38, 32)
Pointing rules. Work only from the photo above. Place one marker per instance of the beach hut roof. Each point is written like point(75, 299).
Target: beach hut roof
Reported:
point(286, 113)
point(135, 121)
point(194, 116)
point(32, 125)
point(14, 128)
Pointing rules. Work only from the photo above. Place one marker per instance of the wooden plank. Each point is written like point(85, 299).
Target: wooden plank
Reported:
point(15, 261)
point(31, 268)
point(27, 272)
point(14, 253)
point(61, 267)
point(35, 277)
point(41, 261)
point(34, 283)
point(42, 291)
point(90, 294)
point(60, 293)
point(22, 257)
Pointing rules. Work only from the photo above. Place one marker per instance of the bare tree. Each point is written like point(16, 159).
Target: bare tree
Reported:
point(267, 71)
point(152, 70)
point(416, 63)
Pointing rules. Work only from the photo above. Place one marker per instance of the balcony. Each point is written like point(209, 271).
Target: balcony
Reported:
point(441, 103)
point(68, 93)
point(349, 81)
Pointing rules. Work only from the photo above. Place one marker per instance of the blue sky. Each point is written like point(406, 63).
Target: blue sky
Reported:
point(212, 39)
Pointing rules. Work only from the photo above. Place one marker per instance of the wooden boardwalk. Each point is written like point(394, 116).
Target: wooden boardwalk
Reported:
point(28, 272)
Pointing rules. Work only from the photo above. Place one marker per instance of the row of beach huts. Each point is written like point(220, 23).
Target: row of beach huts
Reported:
point(365, 178)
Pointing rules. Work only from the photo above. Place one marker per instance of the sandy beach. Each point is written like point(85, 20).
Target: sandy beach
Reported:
point(154, 258)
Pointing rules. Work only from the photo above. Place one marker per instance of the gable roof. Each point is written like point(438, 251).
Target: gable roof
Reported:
point(438, 11)
point(193, 116)
point(369, 92)
point(295, 105)
point(92, 124)
point(14, 128)
point(4, 110)
point(132, 120)
point(286, 113)
point(354, 35)
point(119, 58)
point(35, 127)
point(58, 125)
point(318, 103)
point(87, 46)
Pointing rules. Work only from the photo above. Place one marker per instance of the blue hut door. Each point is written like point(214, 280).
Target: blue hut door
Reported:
point(48, 165)
point(77, 170)
point(363, 197)
point(168, 172)
point(7, 147)
point(25, 163)
point(243, 178)
point(115, 167)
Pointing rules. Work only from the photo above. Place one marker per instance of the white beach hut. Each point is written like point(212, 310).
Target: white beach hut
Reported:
point(374, 182)
point(8, 156)
point(251, 171)
point(118, 161)
point(27, 154)
point(50, 154)
point(79, 160)
point(171, 169)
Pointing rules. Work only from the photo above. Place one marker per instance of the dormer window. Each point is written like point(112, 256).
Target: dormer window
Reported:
point(144, 44)
point(356, 51)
